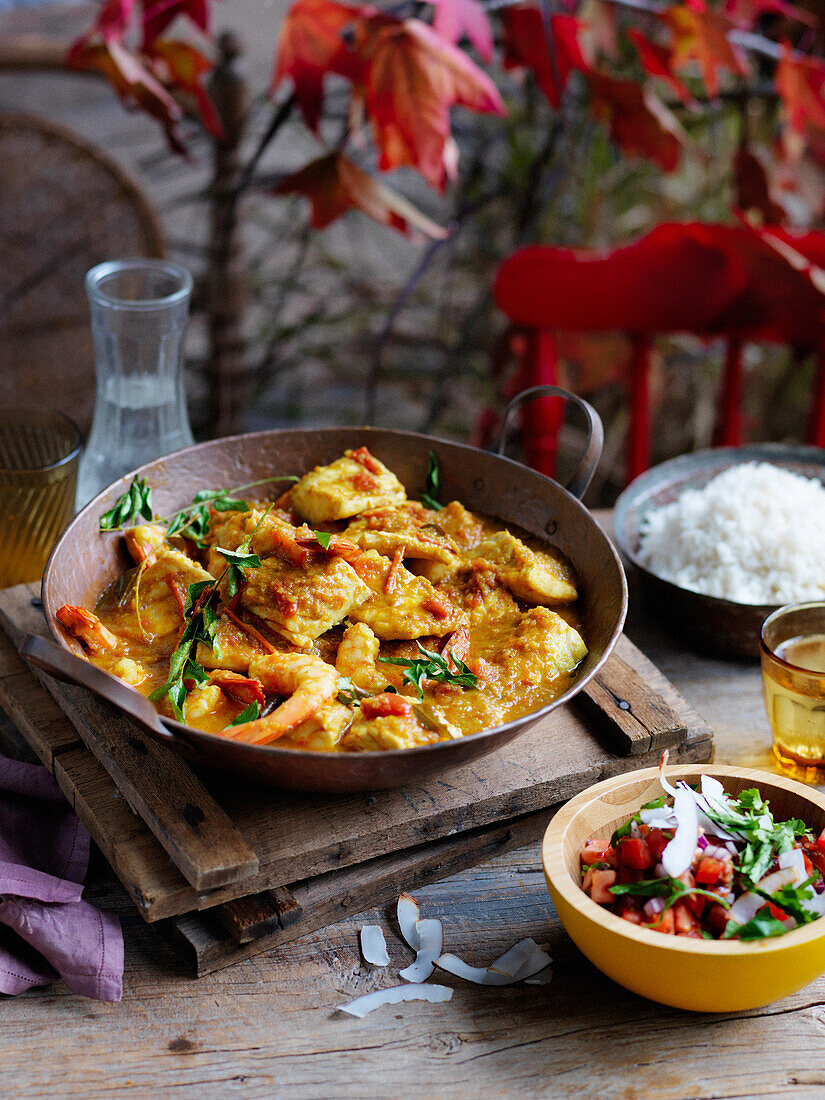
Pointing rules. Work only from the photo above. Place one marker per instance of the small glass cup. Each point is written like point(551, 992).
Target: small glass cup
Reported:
point(792, 649)
point(39, 452)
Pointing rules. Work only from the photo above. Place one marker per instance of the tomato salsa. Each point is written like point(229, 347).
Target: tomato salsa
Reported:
point(698, 863)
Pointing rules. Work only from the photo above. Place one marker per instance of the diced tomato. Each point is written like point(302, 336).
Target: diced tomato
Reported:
point(816, 856)
point(633, 915)
point(683, 918)
point(599, 890)
point(808, 865)
point(716, 919)
point(709, 870)
point(643, 829)
point(776, 912)
point(664, 922)
point(820, 841)
point(657, 841)
point(587, 880)
point(594, 851)
point(696, 903)
point(629, 874)
point(634, 853)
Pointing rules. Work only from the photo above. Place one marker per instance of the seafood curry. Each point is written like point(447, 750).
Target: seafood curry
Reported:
point(340, 617)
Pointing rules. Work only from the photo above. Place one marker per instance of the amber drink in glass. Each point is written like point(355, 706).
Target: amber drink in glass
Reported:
point(793, 681)
point(39, 453)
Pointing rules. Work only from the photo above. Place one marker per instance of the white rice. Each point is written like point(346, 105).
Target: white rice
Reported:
point(755, 534)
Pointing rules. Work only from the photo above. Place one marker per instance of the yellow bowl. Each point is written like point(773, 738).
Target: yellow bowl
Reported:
point(702, 975)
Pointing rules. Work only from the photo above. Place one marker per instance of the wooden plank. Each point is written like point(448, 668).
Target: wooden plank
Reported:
point(632, 714)
point(252, 917)
point(206, 946)
point(37, 715)
point(158, 784)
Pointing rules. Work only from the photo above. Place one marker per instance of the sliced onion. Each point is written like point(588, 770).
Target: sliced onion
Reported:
point(661, 817)
point(777, 879)
point(745, 908)
point(653, 907)
point(731, 847)
point(713, 790)
point(430, 934)
point(794, 858)
point(395, 995)
point(678, 855)
point(702, 843)
point(374, 946)
point(408, 914)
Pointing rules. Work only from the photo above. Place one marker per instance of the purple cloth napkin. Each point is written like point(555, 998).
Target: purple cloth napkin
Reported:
point(47, 932)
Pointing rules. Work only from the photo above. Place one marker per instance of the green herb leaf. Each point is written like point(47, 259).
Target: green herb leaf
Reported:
point(323, 538)
point(248, 714)
point(790, 899)
point(429, 498)
point(672, 889)
point(760, 927)
point(134, 504)
point(432, 666)
point(239, 558)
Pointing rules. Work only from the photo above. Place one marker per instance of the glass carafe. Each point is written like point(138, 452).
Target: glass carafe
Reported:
point(139, 311)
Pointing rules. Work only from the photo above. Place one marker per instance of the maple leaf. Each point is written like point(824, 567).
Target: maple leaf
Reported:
point(800, 82)
point(701, 35)
point(526, 46)
point(744, 13)
point(752, 188)
point(412, 77)
point(455, 18)
point(639, 123)
point(312, 44)
point(112, 21)
point(334, 185)
point(598, 33)
point(657, 61)
point(182, 66)
point(133, 83)
point(158, 14)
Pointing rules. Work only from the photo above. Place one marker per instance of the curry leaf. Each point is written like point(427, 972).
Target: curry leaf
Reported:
point(134, 504)
point(429, 498)
point(248, 714)
point(432, 666)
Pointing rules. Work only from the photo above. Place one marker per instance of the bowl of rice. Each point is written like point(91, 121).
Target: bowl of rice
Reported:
point(721, 538)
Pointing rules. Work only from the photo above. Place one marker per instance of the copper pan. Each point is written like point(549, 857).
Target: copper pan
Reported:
point(85, 561)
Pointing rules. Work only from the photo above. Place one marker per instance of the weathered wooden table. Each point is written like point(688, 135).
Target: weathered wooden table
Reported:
point(268, 1027)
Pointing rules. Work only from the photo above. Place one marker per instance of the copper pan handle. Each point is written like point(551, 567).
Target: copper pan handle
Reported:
point(589, 460)
point(66, 666)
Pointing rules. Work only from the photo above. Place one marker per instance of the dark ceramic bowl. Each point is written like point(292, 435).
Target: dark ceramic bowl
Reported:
point(706, 623)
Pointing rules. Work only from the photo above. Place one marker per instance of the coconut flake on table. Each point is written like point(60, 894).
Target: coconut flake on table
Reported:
point(753, 535)
point(394, 995)
point(408, 915)
point(430, 933)
point(523, 960)
point(374, 946)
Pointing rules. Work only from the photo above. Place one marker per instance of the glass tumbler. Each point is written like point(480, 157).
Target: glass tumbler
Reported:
point(792, 649)
point(139, 311)
point(39, 453)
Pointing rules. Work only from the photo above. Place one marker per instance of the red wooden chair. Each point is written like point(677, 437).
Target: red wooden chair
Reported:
point(709, 280)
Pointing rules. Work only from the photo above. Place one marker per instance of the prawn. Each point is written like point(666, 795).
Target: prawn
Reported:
point(308, 681)
point(357, 655)
point(243, 689)
point(143, 540)
point(88, 628)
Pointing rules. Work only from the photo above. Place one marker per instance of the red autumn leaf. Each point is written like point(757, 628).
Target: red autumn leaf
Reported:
point(182, 66)
point(334, 185)
point(598, 33)
point(455, 18)
point(411, 79)
point(525, 45)
point(800, 82)
point(752, 189)
point(310, 45)
point(132, 82)
point(701, 35)
point(638, 121)
point(158, 14)
point(744, 13)
point(112, 21)
point(658, 61)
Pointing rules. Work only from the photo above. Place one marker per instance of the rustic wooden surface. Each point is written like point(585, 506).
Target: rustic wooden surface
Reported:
point(297, 836)
point(267, 1027)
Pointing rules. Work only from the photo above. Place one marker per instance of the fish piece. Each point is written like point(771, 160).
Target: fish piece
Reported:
point(130, 671)
point(351, 484)
point(388, 732)
point(540, 648)
point(413, 609)
point(464, 527)
point(537, 576)
point(201, 701)
point(321, 732)
point(478, 588)
point(143, 540)
point(163, 585)
point(234, 648)
point(308, 682)
point(302, 602)
point(389, 529)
